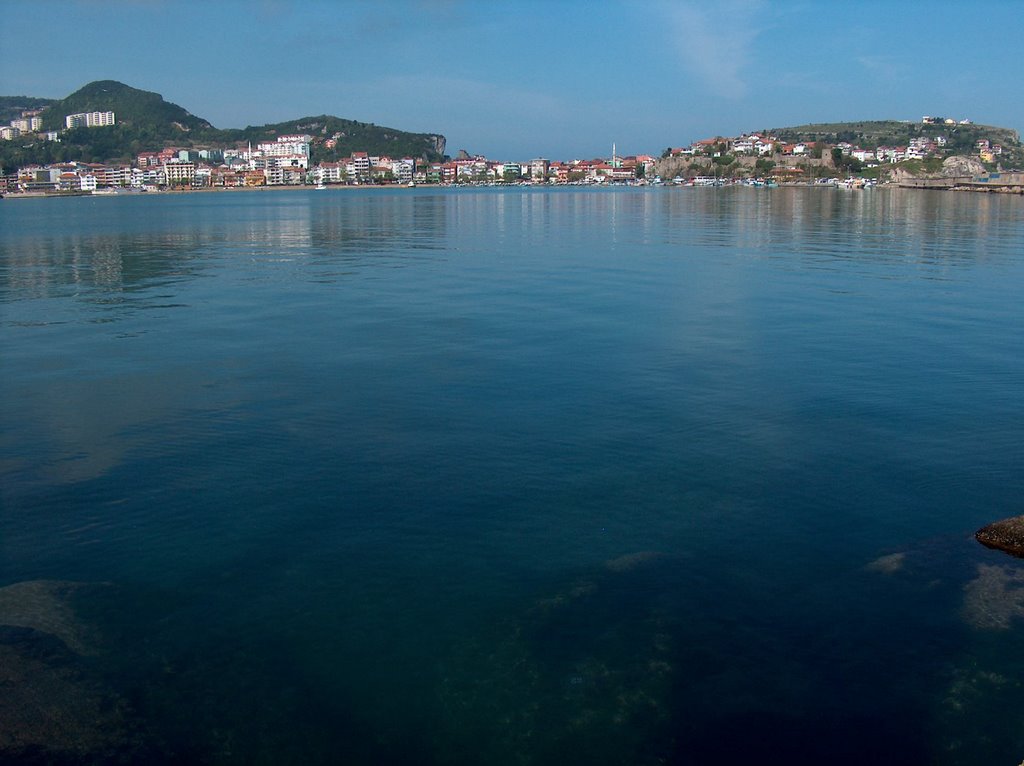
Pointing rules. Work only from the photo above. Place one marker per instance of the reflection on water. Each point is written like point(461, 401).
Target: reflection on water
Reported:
point(153, 241)
point(524, 476)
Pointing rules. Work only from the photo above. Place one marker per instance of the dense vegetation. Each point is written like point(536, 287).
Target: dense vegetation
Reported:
point(11, 107)
point(134, 108)
point(351, 136)
point(145, 122)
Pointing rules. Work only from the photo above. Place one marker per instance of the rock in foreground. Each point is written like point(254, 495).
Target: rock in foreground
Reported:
point(1006, 535)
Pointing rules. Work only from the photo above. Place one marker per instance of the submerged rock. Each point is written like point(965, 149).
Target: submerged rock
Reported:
point(888, 564)
point(584, 674)
point(45, 605)
point(994, 597)
point(1006, 535)
point(55, 705)
point(632, 561)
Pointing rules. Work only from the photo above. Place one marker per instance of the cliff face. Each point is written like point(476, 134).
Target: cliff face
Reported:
point(959, 165)
point(670, 167)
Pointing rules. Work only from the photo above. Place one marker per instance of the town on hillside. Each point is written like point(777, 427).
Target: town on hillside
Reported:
point(753, 158)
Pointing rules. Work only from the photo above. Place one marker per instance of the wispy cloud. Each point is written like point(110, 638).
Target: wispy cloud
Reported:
point(715, 41)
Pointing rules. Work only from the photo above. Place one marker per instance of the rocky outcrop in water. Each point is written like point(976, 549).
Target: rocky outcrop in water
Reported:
point(1006, 535)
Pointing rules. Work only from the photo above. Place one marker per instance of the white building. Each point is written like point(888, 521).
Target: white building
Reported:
point(176, 171)
point(286, 146)
point(286, 161)
point(743, 146)
point(403, 169)
point(28, 124)
point(892, 154)
point(89, 120)
point(329, 173)
point(511, 169)
point(538, 167)
point(359, 167)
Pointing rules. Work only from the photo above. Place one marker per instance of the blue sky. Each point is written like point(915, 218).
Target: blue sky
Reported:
point(515, 79)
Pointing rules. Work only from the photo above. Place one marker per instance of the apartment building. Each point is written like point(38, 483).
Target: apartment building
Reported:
point(89, 120)
point(286, 146)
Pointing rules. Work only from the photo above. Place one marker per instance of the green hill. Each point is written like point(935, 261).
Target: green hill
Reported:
point(146, 122)
point(961, 139)
point(11, 107)
point(348, 135)
point(137, 109)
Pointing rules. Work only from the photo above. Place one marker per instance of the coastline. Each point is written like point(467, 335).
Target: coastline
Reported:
point(205, 190)
point(1015, 189)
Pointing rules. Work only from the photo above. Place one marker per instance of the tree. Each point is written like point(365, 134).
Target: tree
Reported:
point(845, 162)
point(763, 166)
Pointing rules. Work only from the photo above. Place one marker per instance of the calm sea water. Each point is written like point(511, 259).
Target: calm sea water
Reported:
point(624, 476)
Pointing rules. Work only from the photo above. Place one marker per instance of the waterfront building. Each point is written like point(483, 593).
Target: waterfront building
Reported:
point(177, 171)
point(404, 169)
point(539, 167)
point(69, 182)
point(360, 166)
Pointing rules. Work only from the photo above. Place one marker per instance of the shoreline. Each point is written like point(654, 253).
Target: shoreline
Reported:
point(979, 188)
